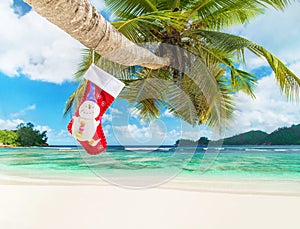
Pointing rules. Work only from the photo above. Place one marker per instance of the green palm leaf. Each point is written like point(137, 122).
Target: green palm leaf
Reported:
point(193, 98)
point(147, 27)
point(288, 81)
point(148, 94)
point(135, 7)
point(86, 61)
point(217, 14)
point(74, 100)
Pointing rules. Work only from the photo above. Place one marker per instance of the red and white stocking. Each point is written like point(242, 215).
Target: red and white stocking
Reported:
point(102, 89)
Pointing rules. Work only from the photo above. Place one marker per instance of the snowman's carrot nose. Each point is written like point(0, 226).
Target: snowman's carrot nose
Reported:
point(89, 106)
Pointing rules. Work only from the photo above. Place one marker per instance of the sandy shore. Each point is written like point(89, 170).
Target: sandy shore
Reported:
point(106, 206)
point(5, 146)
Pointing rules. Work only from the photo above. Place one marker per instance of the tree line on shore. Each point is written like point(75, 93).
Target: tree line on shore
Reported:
point(24, 135)
point(281, 136)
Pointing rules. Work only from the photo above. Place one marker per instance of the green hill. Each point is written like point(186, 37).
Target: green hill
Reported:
point(281, 136)
point(255, 137)
point(284, 136)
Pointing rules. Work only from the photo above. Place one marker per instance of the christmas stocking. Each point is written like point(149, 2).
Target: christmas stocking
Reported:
point(102, 88)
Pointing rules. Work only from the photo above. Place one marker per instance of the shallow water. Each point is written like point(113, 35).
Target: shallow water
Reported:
point(243, 162)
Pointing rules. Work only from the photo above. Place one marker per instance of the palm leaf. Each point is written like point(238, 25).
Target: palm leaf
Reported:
point(224, 12)
point(146, 27)
point(146, 94)
point(217, 14)
point(195, 97)
point(277, 4)
point(288, 81)
point(135, 7)
point(85, 63)
point(212, 57)
point(74, 100)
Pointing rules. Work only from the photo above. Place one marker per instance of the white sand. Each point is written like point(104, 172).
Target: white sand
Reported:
point(98, 206)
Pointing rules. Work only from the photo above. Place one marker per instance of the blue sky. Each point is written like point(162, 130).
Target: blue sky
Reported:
point(37, 61)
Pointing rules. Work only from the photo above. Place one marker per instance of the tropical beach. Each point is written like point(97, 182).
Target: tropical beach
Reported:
point(67, 186)
point(111, 207)
point(149, 114)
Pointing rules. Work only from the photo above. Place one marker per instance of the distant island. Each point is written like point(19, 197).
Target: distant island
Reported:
point(24, 135)
point(281, 136)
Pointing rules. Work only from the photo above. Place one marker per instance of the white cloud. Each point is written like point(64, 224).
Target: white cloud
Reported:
point(107, 130)
point(43, 128)
point(110, 114)
point(134, 113)
point(254, 62)
point(10, 124)
point(131, 134)
point(106, 118)
point(99, 4)
point(269, 111)
point(295, 67)
point(58, 137)
point(23, 111)
point(156, 133)
point(33, 46)
point(167, 114)
point(115, 111)
point(277, 31)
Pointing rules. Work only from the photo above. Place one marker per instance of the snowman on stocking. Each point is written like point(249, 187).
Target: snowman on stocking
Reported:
point(86, 127)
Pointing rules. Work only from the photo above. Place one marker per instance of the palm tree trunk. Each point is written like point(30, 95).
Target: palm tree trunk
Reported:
point(84, 23)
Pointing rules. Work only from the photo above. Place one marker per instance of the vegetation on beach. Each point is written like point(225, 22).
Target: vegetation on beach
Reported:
point(281, 136)
point(24, 135)
point(8, 137)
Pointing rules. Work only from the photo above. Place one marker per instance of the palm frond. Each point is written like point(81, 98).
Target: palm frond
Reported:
point(204, 78)
point(243, 81)
point(74, 100)
point(227, 103)
point(136, 7)
point(121, 72)
point(288, 81)
point(149, 109)
point(146, 27)
point(218, 14)
point(145, 94)
point(212, 57)
point(277, 4)
point(85, 63)
point(194, 98)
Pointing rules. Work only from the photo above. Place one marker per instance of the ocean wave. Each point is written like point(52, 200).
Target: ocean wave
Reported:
point(257, 150)
point(214, 148)
point(142, 148)
point(135, 167)
point(154, 159)
point(294, 149)
point(164, 149)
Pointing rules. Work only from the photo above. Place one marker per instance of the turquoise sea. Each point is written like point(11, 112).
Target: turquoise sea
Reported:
point(154, 164)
